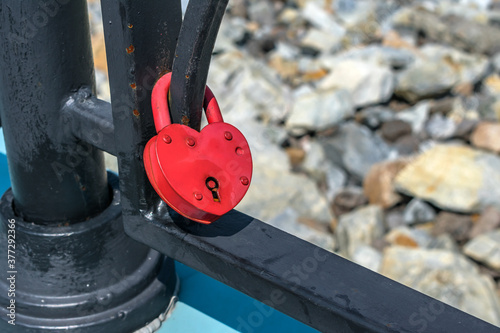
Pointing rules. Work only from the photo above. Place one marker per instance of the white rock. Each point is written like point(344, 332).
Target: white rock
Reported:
point(485, 248)
point(444, 275)
point(319, 110)
point(368, 257)
point(321, 40)
point(453, 177)
point(360, 227)
point(368, 84)
point(288, 222)
point(321, 19)
point(416, 116)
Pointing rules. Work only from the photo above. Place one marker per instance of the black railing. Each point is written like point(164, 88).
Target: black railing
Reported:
point(76, 269)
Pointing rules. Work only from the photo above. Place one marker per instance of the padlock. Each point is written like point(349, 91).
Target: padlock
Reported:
point(201, 175)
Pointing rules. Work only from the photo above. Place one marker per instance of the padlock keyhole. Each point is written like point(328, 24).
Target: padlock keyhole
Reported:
point(213, 185)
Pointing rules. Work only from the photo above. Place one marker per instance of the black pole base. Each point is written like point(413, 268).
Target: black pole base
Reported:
point(86, 277)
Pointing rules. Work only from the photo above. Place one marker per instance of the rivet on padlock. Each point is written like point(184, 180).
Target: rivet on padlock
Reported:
point(201, 175)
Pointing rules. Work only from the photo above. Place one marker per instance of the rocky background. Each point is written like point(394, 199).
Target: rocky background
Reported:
point(374, 128)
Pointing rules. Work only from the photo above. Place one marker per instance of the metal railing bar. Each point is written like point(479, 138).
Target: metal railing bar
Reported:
point(90, 120)
point(314, 286)
point(192, 59)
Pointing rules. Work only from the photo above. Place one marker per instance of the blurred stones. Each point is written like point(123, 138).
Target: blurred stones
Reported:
point(394, 129)
point(288, 222)
point(453, 177)
point(446, 276)
point(373, 117)
point(488, 221)
point(379, 183)
point(487, 136)
point(457, 226)
point(319, 110)
point(367, 83)
point(360, 227)
point(356, 149)
point(368, 257)
point(437, 71)
point(412, 238)
point(347, 200)
point(440, 127)
point(451, 30)
point(418, 211)
point(485, 248)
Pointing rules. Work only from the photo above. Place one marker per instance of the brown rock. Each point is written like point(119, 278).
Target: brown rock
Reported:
point(347, 200)
point(487, 136)
point(488, 221)
point(99, 52)
point(296, 155)
point(378, 184)
point(394, 129)
point(458, 226)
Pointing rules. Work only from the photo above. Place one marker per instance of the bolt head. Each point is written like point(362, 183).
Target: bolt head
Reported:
point(228, 136)
point(198, 196)
point(190, 142)
point(244, 180)
point(167, 139)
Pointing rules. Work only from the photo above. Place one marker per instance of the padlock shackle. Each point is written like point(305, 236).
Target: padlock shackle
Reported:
point(161, 112)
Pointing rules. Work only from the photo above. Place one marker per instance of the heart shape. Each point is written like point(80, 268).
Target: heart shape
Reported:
point(183, 164)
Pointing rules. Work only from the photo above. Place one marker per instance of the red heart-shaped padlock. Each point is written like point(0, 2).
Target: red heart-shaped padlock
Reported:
point(201, 175)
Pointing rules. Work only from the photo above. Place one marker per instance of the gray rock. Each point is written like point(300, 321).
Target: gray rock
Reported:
point(262, 12)
point(368, 257)
point(485, 248)
point(440, 127)
point(321, 40)
point(417, 116)
point(437, 70)
point(488, 221)
point(443, 242)
point(358, 228)
point(417, 211)
point(356, 149)
point(317, 16)
point(348, 199)
point(368, 84)
point(394, 129)
point(452, 30)
point(446, 276)
point(496, 62)
point(453, 177)
point(319, 110)
point(374, 54)
point(412, 238)
point(288, 222)
point(373, 117)
point(274, 190)
point(335, 180)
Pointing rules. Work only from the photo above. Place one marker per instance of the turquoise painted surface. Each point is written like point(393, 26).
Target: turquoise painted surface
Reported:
point(206, 305)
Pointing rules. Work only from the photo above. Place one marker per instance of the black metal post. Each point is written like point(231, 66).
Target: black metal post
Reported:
point(64, 275)
point(45, 56)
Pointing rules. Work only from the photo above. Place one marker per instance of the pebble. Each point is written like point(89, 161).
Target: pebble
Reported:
point(487, 136)
point(488, 221)
point(356, 149)
point(395, 129)
point(347, 200)
point(418, 211)
point(367, 83)
point(453, 177)
point(360, 227)
point(456, 225)
point(485, 248)
point(319, 110)
point(445, 275)
point(378, 184)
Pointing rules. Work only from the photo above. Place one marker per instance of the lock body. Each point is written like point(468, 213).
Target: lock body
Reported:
point(201, 175)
